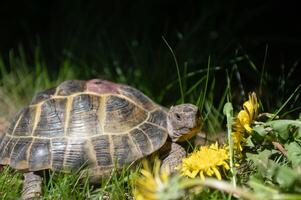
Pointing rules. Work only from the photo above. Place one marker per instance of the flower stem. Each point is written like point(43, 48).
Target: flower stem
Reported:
point(219, 185)
point(228, 111)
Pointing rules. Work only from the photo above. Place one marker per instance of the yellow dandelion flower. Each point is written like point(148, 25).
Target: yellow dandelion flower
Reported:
point(156, 184)
point(206, 162)
point(238, 140)
point(244, 120)
point(249, 113)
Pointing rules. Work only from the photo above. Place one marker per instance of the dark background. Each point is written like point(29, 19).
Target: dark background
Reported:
point(128, 34)
point(251, 24)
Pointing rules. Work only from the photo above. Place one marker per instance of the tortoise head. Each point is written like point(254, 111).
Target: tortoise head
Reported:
point(183, 122)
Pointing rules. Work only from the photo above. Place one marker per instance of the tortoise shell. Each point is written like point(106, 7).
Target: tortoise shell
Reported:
point(96, 122)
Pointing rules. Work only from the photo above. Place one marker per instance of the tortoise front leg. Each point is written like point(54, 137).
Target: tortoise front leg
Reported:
point(32, 186)
point(173, 157)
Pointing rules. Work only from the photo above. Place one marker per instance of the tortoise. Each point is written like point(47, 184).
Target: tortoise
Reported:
point(96, 123)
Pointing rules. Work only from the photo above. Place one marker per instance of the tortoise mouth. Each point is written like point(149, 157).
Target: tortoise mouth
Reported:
point(188, 133)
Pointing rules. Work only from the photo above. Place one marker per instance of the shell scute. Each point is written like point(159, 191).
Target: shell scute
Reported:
point(6, 148)
point(158, 117)
point(101, 145)
point(39, 155)
point(58, 150)
point(75, 156)
point(43, 96)
point(84, 120)
point(70, 87)
point(19, 156)
point(142, 142)
point(23, 122)
point(137, 96)
point(156, 134)
point(122, 115)
point(123, 150)
point(50, 123)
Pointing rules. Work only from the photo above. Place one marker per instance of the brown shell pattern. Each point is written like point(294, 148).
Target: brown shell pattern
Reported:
point(95, 123)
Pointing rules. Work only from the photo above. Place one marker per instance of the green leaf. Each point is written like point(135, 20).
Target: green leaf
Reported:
point(286, 177)
point(260, 188)
point(283, 129)
point(249, 142)
point(294, 153)
point(263, 191)
point(260, 130)
point(298, 133)
point(264, 166)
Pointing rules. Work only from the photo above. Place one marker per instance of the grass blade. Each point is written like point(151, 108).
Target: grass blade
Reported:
point(178, 70)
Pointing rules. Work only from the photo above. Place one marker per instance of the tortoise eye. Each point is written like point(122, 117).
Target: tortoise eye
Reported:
point(178, 116)
point(98, 82)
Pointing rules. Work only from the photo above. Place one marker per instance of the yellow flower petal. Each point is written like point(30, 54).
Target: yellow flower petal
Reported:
point(165, 176)
point(226, 166)
point(244, 120)
point(206, 162)
point(217, 174)
point(248, 128)
point(202, 175)
point(148, 184)
point(243, 117)
point(249, 108)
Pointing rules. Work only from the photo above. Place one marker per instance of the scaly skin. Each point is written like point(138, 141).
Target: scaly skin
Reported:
point(32, 186)
point(173, 155)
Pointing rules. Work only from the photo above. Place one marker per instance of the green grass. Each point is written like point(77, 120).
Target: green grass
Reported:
point(10, 184)
point(67, 186)
point(210, 88)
